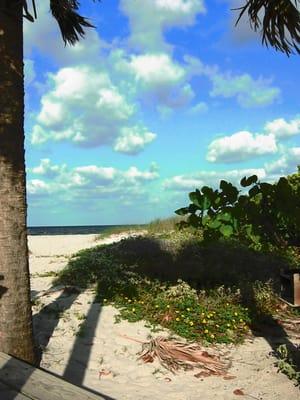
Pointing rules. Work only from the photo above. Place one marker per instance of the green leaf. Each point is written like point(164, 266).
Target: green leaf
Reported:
point(196, 198)
point(248, 181)
point(182, 211)
point(253, 191)
point(226, 230)
point(214, 224)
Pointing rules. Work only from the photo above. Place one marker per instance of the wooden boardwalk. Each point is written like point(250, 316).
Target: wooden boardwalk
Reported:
point(21, 381)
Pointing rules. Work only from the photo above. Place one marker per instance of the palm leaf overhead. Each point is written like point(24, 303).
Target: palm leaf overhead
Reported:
point(280, 25)
point(71, 24)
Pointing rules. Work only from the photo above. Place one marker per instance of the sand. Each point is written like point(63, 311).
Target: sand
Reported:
point(100, 358)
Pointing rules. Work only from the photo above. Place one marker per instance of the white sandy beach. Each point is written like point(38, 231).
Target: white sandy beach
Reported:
point(105, 361)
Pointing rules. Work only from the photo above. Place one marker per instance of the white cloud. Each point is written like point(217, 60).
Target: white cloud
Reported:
point(133, 140)
point(212, 179)
point(240, 146)
point(38, 187)
point(286, 164)
point(156, 69)
point(149, 21)
point(198, 108)
point(248, 91)
point(160, 80)
point(88, 181)
point(47, 169)
point(86, 108)
point(282, 129)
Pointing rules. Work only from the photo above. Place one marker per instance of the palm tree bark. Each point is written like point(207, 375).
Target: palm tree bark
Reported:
point(16, 335)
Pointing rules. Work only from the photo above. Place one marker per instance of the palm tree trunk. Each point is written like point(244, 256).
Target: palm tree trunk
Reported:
point(16, 336)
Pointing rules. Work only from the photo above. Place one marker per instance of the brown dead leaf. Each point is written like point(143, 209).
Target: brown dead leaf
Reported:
point(228, 377)
point(238, 392)
point(203, 374)
point(104, 372)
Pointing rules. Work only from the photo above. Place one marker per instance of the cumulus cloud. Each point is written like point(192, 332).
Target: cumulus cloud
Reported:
point(286, 164)
point(195, 180)
point(248, 91)
point(88, 181)
point(240, 146)
point(283, 129)
point(133, 140)
point(84, 107)
point(48, 170)
point(157, 78)
point(149, 22)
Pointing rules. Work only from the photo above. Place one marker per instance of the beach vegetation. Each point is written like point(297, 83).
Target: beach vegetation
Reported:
point(286, 365)
point(211, 292)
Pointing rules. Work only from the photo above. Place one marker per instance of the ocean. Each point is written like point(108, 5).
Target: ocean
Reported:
point(75, 230)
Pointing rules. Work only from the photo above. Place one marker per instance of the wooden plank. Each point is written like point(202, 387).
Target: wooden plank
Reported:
point(7, 393)
point(38, 384)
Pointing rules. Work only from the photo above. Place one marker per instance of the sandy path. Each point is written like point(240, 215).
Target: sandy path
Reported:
point(82, 343)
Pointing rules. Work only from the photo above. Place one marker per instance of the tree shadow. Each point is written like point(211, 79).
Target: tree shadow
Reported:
point(47, 319)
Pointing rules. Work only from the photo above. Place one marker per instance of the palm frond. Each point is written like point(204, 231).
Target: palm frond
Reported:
point(71, 24)
point(173, 355)
point(280, 25)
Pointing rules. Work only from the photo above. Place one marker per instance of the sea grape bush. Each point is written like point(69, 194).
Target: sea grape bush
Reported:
point(268, 215)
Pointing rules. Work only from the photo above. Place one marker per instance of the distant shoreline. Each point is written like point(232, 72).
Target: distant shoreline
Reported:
point(78, 229)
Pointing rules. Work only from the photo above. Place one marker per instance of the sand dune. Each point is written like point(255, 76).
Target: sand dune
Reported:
point(81, 342)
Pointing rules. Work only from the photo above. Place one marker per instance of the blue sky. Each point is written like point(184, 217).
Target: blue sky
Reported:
point(165, 96)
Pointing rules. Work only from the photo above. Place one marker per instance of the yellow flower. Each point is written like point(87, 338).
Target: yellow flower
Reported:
point(202, 314)
point(204, 321)
point(217, 326)
point(191, 323)
point(206, 331)
point(233, 320)
point(245, 327)
point(227, 304)
point(212, 336)
point(177, 312)
point(208, 316)
point(104, 300)
point(142, 302)
point(182, 315)
point(236, 314)
point(188, 309)
point(177, 319)
point(129, 301)
point(133, 310)
point(168, 306)
point(241, 320)
point(126, 298)
point(228, 325)
point(156, 306)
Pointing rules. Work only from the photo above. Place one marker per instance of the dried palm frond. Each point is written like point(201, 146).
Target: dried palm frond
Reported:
point(173, 355)
point(281, 22)
point(70, 22)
